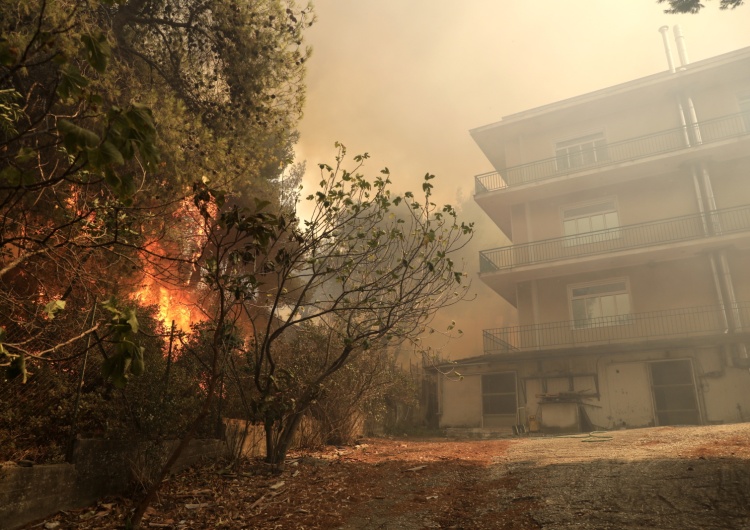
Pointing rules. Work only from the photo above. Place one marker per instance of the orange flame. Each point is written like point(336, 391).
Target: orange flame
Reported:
point(176, 303)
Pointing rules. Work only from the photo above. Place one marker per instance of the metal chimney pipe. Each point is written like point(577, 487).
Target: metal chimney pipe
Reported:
point(667, 48)
point(681, 50)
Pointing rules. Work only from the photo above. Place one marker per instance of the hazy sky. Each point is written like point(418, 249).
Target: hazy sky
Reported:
point(405, 80)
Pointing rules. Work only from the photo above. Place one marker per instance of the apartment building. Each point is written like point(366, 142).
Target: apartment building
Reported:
point(628, 210)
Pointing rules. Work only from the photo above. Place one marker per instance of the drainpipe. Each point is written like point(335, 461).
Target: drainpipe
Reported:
point(699, 197)
point(684, 61)
point(535, 310)
point(681, 49)
point(711, 257)
point(723, 269)
point(694, 121)
point(683, 123)
point(667, 48)
point(670, 63)
point(724, 262)
point(722, 274)
point(708, 188)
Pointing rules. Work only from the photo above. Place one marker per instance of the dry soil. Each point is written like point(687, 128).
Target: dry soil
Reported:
point(659, 478)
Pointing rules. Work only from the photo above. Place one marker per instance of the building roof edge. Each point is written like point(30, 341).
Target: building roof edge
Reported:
point(690, 69)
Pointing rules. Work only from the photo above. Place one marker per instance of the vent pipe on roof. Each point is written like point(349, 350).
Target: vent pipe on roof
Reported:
point(667, 48)
point(681, 50)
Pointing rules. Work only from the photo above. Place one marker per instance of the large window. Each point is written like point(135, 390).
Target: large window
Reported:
point(499, 394)
point(583, 219)
point(600, 304)
point(580, 152)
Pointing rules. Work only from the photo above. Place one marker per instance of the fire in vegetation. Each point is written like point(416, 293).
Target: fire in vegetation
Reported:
point(174, 304)
point(170, 293)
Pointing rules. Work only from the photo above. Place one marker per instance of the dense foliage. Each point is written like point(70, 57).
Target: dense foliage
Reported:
point(113, 114)
point(694, 6)
point(110, 112)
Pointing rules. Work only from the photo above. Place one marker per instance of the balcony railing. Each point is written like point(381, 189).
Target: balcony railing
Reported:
point(637, 327)
point(689, 227)
point(668, 141)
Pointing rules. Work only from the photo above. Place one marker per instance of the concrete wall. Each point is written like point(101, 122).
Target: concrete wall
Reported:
point(460, 401)
point(651, 199)
point(739, 264)
point(653, 287)
point(621, 119)
point(623, 382)
point(729, 182)
point(617, 123)
point(100, 468)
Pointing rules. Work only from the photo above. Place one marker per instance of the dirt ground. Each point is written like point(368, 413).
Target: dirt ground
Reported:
point(660, 478)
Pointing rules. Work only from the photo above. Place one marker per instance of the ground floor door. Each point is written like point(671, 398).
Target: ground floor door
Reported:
point(499, 400)
point(675, 398)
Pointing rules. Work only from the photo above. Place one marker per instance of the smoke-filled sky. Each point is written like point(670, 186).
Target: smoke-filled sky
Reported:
point(405, 80)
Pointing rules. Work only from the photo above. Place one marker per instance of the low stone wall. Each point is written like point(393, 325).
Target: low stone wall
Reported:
point(99, 468)
point(245, 439)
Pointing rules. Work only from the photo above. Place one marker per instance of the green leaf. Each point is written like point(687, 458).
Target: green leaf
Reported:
point(54, 307)
point(76, 138)
point(25, 154)
point(131, 319)
point(115, 368)
point(138, 366)
point(105, 155)
point(71, 83)
point(18, 367)
point(111, 178)
point(11, 175)
point(97, 50)
point(8, 54)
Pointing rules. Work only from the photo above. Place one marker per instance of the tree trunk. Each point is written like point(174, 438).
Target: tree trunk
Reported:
point(276, 451)
point(135, 520)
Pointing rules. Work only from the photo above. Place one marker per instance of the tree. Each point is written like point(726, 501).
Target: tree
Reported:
point(70, 157)
point(114, 115)
point(694, 6)
point(364, 277)
point(109, 111)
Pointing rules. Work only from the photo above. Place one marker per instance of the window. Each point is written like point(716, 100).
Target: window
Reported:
point(591, 218)
point(600, 304)
point(581, 152)
point(499, 394)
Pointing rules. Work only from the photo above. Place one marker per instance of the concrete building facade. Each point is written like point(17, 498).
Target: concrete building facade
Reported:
point(628, 210)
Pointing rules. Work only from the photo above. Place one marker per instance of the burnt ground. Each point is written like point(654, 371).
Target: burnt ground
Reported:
point(658, 478)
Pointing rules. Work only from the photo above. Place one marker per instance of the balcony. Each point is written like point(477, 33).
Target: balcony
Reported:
point(679, 229)
point(607, 155)
point(675, 326)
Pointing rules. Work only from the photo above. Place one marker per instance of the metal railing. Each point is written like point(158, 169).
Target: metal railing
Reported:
point(635, 327)
point(662, 142)
point(688, 227)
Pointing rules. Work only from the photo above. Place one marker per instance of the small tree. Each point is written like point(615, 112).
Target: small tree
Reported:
point(367, 276)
